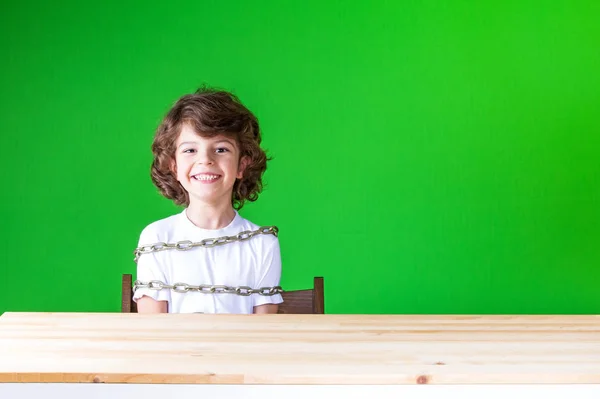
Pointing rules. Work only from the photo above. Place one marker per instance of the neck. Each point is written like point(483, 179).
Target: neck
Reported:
point(210, 216)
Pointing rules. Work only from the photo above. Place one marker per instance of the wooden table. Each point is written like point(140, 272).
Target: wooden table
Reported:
point(221, 354)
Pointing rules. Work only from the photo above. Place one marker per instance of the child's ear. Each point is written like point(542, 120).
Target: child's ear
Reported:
point(244, 162)
point(173, 168)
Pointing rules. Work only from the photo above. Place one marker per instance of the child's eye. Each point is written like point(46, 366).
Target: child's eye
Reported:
point(221, 150)
point(189, 151)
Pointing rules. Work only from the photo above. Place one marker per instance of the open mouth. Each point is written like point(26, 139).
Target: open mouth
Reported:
point(205, 177)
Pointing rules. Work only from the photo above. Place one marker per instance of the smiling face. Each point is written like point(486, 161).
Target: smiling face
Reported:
point(207, 167)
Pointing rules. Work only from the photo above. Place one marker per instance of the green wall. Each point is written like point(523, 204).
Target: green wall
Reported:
point(430, 156)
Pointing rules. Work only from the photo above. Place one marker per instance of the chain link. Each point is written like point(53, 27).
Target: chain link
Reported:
point(207, 289)
point(206, 243)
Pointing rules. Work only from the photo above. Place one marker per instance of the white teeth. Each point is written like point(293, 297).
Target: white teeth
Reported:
point(205, 177)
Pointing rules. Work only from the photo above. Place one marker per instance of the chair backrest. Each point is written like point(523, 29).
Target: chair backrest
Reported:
point(308, 301)
point(127, 303)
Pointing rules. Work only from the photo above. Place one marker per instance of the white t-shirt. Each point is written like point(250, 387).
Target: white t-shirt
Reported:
point(255, 262)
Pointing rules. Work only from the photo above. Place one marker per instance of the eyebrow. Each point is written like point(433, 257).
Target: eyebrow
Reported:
point(225, 141)
point(216, 142)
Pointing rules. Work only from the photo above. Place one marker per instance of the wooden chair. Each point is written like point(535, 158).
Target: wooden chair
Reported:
point(308, 301)
point(127, 303)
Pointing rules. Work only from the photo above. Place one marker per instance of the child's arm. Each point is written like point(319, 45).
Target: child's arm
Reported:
point(266, 308)
point(269, 276)
point(150, 266)
point(146, 304)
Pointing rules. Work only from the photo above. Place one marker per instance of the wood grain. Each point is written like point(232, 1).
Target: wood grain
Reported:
point(298, 349)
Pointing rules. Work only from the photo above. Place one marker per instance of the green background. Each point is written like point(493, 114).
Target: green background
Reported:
point(429, 156)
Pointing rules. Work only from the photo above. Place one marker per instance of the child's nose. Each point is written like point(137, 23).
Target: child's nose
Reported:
point(204, 158)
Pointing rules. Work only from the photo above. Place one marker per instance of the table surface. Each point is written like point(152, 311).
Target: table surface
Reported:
point(299, 349)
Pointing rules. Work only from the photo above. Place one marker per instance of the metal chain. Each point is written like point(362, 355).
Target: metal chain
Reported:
point(206, 243)
point(208, 289)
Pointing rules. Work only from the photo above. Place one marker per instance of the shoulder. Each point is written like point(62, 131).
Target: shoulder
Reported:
point(160, 230)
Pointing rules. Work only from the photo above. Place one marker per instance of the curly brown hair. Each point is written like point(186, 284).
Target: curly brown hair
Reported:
point(209, 112)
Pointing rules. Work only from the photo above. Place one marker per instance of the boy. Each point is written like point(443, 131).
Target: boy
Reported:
point(207, 157)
